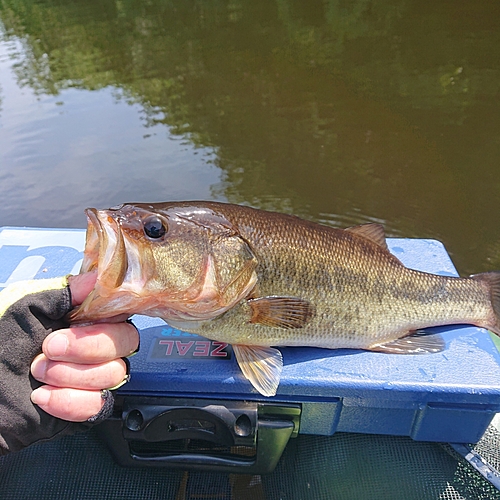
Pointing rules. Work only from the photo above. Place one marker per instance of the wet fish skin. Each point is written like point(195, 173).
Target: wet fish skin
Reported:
point(361, 293)
point(258, 279)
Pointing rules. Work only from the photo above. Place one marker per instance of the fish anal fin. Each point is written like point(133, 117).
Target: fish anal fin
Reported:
point(372, 231)
point(282, 312)
point(261, 366)
point(415, 343)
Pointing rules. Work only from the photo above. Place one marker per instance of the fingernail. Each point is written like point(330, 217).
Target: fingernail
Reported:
point(57, 346)
point(40, 396)
point(38, 368)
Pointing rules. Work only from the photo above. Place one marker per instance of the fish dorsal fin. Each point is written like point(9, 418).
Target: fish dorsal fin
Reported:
point(282, 312)
point(261, 366)
point(416, 343)
point(373, 232)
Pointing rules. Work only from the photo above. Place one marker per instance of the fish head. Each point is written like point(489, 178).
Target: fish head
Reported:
point(178, 262)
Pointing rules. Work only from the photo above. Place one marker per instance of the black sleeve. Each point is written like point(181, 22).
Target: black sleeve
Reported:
point(29, 311)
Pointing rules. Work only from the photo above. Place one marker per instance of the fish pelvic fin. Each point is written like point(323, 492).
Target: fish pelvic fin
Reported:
point(492, 281)
point(419, 342)
point(261, 366)
point(282, 312)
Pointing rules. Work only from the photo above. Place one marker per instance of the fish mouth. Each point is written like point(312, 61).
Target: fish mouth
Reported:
point(105, 250)
point(106, 254)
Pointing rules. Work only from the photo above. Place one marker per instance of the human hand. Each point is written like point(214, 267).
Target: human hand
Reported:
point(33, 317)
point(77, 362)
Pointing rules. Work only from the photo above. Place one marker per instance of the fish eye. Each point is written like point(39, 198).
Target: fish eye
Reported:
point(154, 228)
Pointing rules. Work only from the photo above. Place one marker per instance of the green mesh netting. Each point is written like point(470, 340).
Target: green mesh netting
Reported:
point(343, 466)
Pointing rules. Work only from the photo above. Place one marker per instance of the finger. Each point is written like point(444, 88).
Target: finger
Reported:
point(92, 344)
point(77, 376)
point(81, 285)
point(69, 404)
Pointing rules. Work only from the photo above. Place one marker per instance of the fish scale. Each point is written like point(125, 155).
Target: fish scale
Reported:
point(258, 279)
point(360, 290)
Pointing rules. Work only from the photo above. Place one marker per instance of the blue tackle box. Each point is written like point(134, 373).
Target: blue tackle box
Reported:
point(188, 405)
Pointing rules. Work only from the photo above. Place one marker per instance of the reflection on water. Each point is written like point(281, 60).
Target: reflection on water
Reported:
point(343, 112)
point(62, 152)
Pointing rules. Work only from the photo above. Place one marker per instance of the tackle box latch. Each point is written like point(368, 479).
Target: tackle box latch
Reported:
point(242, 437)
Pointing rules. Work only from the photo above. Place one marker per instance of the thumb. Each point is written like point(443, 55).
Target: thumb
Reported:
point(81, 285)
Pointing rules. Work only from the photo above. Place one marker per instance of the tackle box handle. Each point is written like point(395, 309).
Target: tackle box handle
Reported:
point(239, 437)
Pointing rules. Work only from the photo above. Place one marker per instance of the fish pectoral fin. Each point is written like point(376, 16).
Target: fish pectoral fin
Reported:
point(372, 231)
point(282, 312)
point(261, 366)
point(416, 343)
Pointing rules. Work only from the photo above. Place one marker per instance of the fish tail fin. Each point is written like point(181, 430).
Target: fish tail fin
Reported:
point(492, 280)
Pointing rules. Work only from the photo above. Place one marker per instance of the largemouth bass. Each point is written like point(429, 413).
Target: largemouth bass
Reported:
point(259, 279)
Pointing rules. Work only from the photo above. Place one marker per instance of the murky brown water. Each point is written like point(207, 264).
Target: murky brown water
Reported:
point(343, 112)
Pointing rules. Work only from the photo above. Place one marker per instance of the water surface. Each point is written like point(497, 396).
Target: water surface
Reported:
point(342, 112)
